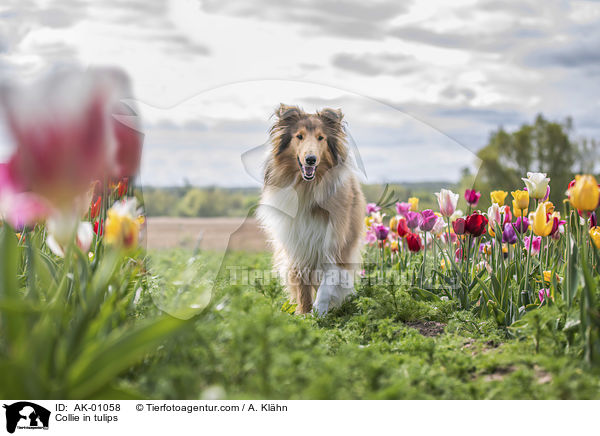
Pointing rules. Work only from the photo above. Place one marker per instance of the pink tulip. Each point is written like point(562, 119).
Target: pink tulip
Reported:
point(427, 220)
point(472, 197)
point(370, 237)
point(543, 294)
point(20, 209)
point(536, 244)
point(412, 219)
point(372, 207)
point(453, 238)
point(447, 201)
point(403, 208)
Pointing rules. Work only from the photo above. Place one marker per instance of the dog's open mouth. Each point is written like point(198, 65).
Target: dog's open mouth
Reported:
point(308, 171)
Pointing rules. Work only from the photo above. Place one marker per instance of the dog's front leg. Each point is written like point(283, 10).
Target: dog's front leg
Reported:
point(301, 291)
point(336, 285)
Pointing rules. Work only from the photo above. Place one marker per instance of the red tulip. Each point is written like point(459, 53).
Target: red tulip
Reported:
point(507, 214)
point(476, 224)
point(459, 226)
point(122, 187)
point(402, 229)
point(95, 209)
point(414, 242)
point(99, 227)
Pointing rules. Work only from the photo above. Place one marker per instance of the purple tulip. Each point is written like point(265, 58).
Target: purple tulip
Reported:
point(522, 224)
point(593, 220)
point(403, 208)
point(509, 235)
point(381, 231)
point(472, 197)
point(372, 207)
point(412, 219)
point(427, 220)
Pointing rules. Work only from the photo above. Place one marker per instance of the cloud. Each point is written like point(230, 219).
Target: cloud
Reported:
point(346, 18)
point(375, 64)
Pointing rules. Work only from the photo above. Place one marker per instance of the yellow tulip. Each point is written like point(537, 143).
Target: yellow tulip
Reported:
point(549, 207)
point(498, 197)
point(521, 199)
point(541, 225)
point(519, 212)
point(548, 277)
point(585, 193)
point(595, 235)
point(394, 224)
point(414, 203)
point(394, 246)
point(122, 226)
point(368, 221)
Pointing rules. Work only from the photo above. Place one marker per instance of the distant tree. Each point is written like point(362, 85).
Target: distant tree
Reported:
point(544, 146)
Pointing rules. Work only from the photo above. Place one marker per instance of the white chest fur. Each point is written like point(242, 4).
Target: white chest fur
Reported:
point(306, 236)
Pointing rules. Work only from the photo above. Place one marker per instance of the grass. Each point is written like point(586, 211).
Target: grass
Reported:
point(243, 345)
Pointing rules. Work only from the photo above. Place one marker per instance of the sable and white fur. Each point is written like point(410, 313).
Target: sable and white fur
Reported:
point(312, 207)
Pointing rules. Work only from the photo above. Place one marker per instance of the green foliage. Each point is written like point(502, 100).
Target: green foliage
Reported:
point(67, 325)
point(247, 345)
point(190, 201)
point(199, 202)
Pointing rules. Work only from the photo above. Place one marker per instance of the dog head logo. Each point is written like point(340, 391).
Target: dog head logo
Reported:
point(26, 415)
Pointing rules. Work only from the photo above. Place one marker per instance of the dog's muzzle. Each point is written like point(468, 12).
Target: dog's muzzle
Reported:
point(308, 171)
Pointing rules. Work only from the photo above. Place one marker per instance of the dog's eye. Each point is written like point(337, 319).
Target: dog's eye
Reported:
point(320, 138)
point(299, 137)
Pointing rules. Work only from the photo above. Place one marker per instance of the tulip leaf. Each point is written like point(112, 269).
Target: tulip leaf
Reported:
point(573, 273)
point(100, 364)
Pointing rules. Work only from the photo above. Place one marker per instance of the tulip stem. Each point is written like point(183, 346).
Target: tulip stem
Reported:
point(424, 260)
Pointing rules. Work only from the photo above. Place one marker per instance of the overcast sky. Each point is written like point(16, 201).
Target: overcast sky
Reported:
point(422, 84)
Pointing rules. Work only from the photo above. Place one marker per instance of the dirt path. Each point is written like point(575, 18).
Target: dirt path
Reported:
point(210, 233)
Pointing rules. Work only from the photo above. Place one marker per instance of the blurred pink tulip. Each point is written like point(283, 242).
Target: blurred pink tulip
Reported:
point(67, 136)
point(20, 209)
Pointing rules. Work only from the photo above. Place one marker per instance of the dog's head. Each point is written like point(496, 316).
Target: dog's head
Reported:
point(311, 144)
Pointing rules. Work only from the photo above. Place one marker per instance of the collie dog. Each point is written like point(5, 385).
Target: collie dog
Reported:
point(312, 207)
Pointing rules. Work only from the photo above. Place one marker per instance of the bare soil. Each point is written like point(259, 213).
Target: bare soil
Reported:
point(427, 328)
point(214, 234)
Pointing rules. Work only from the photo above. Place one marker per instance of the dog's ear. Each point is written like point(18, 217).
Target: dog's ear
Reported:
point(284, 111)
point(287, 116)
point(331, 116)
point(332, 119)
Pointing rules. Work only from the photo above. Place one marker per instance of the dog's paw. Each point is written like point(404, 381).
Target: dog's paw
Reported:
point(320, 308)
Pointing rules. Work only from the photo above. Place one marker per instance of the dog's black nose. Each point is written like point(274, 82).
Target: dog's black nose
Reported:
point(311, 159)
